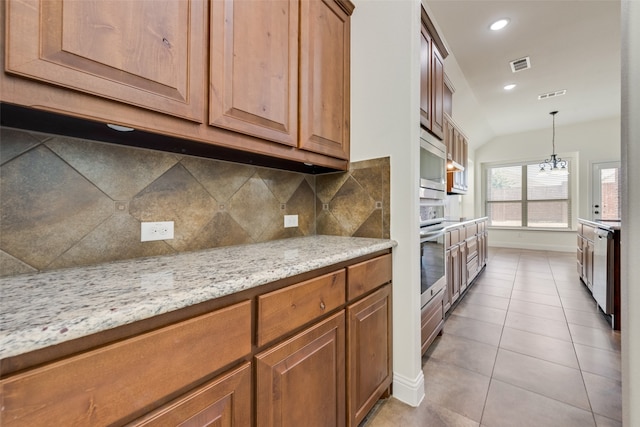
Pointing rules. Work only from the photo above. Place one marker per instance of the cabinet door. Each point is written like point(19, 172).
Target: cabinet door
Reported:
point(224, 402)
point(588, 264)
point(448, 292)
point(425, 78)
point(437, 88)
point(324, 78)
point(432, 320)
point(254, 68)
point(144, 53)
point(463, 267)
point(368, 353)
point(456, 273)
point(300, 382)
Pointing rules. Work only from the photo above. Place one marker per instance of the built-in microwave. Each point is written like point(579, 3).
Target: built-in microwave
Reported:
point(433, 173)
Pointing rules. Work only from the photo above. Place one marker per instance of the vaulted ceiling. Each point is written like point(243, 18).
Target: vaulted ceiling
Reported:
point(572, 45)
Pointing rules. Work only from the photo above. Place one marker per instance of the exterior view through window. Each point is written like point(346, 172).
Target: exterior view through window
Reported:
point(519, 195)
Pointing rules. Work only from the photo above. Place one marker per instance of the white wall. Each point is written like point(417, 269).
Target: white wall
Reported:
point(585, 143)
point(385, 88)
point(630, 295)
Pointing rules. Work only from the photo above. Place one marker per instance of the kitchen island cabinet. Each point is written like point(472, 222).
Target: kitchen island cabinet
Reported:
point(598, 262)
point(215, 79)
point(284, 320)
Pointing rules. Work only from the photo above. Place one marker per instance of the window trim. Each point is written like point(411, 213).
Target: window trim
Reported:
point(571, 199)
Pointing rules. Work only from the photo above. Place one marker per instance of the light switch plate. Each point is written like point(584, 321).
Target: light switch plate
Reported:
point(150, 231)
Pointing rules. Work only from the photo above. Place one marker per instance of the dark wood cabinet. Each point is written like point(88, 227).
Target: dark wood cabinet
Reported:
point(457, 175)
point(432, 320)
point(302, 380)
point(432, 78)
point(466, 255)
point(325, 40)
point(369, 349)
point(425, 77)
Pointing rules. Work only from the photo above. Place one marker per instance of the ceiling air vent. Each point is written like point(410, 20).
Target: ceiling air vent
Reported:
point(552, 94)
point(520, 64)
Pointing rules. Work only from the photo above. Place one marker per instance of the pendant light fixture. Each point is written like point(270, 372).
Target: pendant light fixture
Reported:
point(554, 164)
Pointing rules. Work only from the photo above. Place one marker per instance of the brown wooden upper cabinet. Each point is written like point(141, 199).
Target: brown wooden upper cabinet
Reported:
point(432, 54)
point(137, 52)
point(275, 64)
point(274, 73)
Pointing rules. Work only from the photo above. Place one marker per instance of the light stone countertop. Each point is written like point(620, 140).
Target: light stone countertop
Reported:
point(44, 309)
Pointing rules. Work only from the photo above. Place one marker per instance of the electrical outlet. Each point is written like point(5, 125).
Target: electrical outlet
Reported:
point(150, 231)
point(290, 221)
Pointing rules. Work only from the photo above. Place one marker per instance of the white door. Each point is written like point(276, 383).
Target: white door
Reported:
point(606, 190)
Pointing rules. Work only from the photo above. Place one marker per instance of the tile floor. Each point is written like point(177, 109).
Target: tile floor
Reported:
point(526, 346)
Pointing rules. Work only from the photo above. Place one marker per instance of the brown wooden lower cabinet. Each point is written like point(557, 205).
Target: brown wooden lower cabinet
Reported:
point(466, 253)
point(223, 402)
point(198, 371)
point(369, 369)
point(301, 381)
point(117, 383)
point(432, 321)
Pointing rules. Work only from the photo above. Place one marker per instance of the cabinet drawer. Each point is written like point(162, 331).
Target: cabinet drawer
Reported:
point(284, 310)
point(454, 237)
point(473, 266)
point(368, 275)
point(124, 380)
point(587, 232)
point(472, 248)
point(471, 230)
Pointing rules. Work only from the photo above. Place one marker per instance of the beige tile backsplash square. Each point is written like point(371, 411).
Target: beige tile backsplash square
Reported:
point(67, 202)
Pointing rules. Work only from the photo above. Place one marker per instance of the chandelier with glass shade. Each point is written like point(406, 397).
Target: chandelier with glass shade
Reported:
point(555, 164)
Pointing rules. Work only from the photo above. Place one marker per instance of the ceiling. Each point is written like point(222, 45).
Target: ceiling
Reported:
point(573, 45)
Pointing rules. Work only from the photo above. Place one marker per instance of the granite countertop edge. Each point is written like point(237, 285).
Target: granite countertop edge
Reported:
point(45, 309)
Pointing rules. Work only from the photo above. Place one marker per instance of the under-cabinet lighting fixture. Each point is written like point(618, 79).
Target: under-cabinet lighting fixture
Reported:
point(509, 86)
point(555, 164)
point(499, 24)
point(120, 128)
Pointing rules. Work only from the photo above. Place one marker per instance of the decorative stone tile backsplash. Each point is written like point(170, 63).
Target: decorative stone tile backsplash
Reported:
point(68, 202)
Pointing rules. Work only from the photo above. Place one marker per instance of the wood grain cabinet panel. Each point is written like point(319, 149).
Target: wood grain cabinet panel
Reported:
point(122, 381)
point(301, 382)
point(368, 275)
point(254, 68)
point(142, 53)
point(285, 310)
point(368, 353)
point(432, 316)
point(437, 93)
point(425, 78)
point(223, 402)
point(325, 52)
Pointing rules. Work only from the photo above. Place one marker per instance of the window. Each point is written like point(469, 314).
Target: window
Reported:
point(519, 195)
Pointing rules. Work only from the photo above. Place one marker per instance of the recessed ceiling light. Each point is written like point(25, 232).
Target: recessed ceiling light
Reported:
point(499, 24)
point(509, 86)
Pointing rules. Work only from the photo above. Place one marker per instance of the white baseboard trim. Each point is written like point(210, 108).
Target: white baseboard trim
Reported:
point(534, 247)
point(407, 390)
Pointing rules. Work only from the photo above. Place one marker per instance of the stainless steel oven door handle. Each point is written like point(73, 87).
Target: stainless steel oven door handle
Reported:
point(430, 235)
